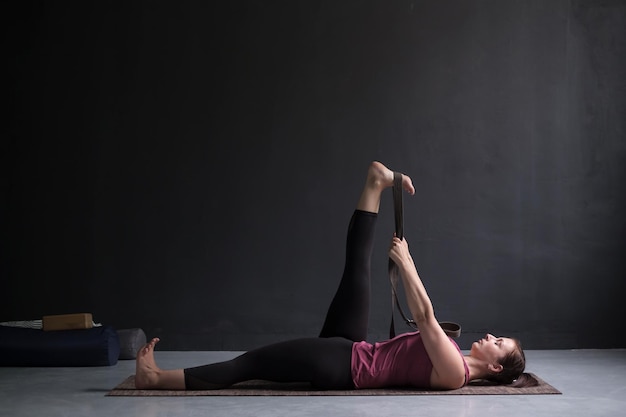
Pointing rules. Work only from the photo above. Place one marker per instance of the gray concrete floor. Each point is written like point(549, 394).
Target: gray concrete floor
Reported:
point(593, 383)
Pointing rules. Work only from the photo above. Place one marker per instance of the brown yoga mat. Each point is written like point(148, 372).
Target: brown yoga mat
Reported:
point(264, 388)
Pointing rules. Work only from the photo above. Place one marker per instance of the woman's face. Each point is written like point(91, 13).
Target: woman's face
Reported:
point(492, 349)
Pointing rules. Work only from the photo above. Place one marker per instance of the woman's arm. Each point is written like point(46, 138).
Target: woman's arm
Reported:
point(448, 367)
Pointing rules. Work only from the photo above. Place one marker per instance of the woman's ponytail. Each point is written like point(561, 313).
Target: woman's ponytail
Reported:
point(524, 380)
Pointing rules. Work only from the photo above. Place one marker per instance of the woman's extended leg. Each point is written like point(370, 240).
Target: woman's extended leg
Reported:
point(348, 313)
point(325, 363)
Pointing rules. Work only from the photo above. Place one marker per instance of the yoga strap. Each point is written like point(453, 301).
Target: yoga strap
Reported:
point(450, 328)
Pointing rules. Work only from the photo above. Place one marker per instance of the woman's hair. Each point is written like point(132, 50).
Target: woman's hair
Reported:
point(513, 365)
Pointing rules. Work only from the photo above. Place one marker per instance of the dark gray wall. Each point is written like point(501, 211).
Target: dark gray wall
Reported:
point(190, 168)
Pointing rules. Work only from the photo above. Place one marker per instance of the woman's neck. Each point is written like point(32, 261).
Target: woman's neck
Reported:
point(477, 368)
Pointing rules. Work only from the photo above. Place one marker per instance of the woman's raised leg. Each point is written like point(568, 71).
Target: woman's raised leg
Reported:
point(348, 313)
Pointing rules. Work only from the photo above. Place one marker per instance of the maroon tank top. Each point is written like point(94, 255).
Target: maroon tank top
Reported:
point(399, 362)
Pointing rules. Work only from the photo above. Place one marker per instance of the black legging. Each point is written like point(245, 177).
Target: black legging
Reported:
point(323, 361)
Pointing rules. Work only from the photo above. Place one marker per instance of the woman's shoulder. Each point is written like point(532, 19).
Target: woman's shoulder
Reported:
point(450, 370)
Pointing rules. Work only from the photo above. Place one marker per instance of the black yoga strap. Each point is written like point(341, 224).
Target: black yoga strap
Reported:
point(450, 328)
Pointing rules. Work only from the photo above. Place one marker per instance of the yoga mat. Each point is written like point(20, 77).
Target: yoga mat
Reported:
point(261, 388)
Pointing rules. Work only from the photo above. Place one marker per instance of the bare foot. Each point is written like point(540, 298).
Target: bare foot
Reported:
point(380, 177)
point(147, 372)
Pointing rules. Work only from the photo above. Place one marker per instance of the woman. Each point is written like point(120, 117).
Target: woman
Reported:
point(340, 358)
